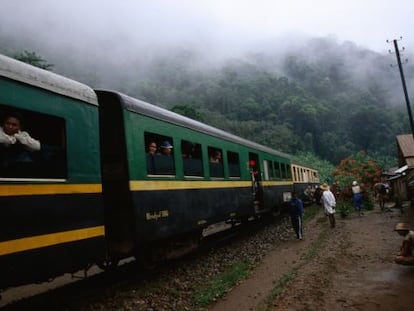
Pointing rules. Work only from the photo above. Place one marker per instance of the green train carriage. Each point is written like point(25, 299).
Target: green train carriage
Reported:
point(93, 195)
point(176, 203)
point(51, 218)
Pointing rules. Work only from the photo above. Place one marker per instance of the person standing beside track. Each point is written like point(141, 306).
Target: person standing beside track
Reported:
point(357, 194)
point(329, 203)
point(296, 214)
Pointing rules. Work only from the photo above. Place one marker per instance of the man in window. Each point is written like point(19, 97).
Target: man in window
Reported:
point(166, 148)
point(16, 146)
point(11, 134)
point(215, 157)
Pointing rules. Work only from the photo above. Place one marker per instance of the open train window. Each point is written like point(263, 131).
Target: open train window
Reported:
point(283, 170)
point(192, 158)
point(159, 154)
point(270, 170)
point(233, 163)
point(288, 171)
point(266, 169)
point(215, 162)
point(32, 145)
point(278, 174)
point(295, 173)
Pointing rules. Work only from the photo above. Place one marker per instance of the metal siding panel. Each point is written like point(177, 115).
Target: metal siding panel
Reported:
point(36, 215)
point(166, 213)
point(42, 264)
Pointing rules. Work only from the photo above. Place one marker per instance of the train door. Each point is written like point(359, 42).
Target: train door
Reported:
point(119, 217)
point(257, 186)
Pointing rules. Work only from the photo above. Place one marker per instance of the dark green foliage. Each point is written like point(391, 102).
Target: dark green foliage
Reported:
point(344, 209)
point(188, 111)
point(33, 59)
point(321, 106)
point(324, 167)
point(327, 98)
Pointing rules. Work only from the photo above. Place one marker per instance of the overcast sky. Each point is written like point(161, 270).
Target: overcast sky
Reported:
point(209, 23)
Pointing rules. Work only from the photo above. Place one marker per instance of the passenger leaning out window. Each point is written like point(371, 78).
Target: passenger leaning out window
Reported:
point(11, 133)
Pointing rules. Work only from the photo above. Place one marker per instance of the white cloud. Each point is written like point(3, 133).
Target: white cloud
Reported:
point(368, 23)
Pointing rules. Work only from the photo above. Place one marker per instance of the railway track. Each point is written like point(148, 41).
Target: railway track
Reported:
point(78, 288)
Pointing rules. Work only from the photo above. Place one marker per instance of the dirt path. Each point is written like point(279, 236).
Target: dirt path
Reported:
point(347, 268)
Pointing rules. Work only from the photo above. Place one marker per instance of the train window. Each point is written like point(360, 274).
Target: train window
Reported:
point(160, 154)
point(288, 171)
point(295, 174)
point(215, 162)
point(192, 158)
point(266, 169)
point(270, 170)
point(277, 170)
point(233, 163)
point(38, 150)
point(283, 170)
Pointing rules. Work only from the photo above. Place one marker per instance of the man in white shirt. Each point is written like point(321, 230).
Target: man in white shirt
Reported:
point(329, 203)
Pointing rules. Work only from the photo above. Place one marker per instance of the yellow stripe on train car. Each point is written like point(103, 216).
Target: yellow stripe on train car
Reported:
point(43, 189)
point(34, 242)
point(148, 185)
point(145, 185)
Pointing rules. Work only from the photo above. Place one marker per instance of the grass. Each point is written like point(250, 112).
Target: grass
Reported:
point(310, 212)
point(313, 250)
point(344, 209)
point(288, 277)
point(279, 289)
point(219, 285)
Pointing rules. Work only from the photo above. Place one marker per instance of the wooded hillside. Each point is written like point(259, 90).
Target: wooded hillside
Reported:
point(326, 98)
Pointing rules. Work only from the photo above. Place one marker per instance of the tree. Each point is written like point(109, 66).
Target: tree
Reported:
point(359, 167)
point(324, 167)
point(188, 111)
point(33, 59)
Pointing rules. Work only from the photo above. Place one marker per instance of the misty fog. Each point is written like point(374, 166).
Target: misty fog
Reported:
point(107, 42)
point(181, 52)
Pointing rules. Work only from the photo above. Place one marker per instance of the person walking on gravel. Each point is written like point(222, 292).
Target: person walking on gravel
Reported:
point(329, 203)
point(296, 213)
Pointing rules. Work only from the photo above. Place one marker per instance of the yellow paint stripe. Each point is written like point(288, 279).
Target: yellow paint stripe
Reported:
point(145, 185)
point(277, 183)
point(37, 189)
point(135, 185)
point(25, 244)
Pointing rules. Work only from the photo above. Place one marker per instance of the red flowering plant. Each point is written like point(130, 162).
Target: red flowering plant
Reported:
point(361, 168)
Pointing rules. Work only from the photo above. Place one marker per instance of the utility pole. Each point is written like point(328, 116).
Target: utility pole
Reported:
point(407, 100)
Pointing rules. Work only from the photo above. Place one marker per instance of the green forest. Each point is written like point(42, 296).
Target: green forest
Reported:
point(321, 103)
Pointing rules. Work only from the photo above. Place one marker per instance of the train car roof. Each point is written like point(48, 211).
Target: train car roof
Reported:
point(22, 72)
point(142, 107)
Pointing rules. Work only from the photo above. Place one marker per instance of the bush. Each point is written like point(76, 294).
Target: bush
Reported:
point(344, 209)
point(368, 202)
